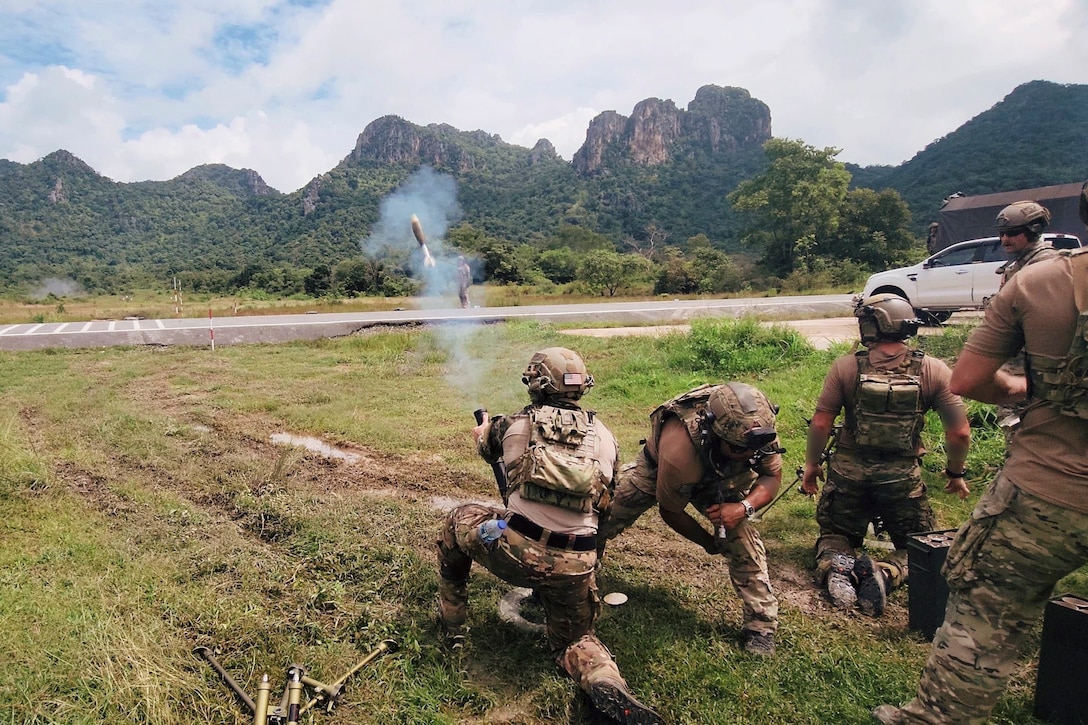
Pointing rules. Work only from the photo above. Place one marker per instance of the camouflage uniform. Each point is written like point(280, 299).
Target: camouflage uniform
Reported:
point(866, 485)
point(708, 480)
point(549, 544)
point(564, 579)
point(742, 548)
point(1030, 528)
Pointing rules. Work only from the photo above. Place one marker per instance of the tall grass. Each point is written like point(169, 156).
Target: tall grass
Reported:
point(145, 511)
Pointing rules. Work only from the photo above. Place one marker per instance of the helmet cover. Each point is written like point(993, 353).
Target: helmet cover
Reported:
point(556, 372)
point(886, 317)
point(1030, 216)
point(743, 417)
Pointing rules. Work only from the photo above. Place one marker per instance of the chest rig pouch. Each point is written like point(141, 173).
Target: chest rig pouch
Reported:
point(888, 414)
point(560, 466)
point(1064, 382)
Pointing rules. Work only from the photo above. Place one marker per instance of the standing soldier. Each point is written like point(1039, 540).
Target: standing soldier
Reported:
point(714, 447)
point(1020, 227)
point(875, 471)
point(560, 461)
point(1030, 528)
point(464, 281)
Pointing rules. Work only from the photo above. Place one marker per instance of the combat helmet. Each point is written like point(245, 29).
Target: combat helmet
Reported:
point(742, 416)
point(1030, 216)
point(886, 317)
point(556, 372)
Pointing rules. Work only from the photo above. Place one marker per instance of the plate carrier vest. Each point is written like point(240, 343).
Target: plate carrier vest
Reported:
point(1064, 381)
point(888, 414)
point(561, 464)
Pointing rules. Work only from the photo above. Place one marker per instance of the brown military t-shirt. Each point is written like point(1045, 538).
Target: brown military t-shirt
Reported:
point(841, 382)
point(1048, 456)
point(680, 470)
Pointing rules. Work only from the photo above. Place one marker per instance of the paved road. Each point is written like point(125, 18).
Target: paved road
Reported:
point(281, 328)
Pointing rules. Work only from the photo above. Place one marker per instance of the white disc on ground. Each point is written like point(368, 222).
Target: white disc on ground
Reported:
point(615, 599)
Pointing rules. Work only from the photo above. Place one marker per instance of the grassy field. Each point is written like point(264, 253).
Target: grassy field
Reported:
point(145, 510)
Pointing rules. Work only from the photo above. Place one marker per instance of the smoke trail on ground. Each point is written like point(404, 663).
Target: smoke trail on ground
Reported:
point(57, 288)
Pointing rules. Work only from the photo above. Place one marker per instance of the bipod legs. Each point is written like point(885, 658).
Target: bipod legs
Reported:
point(291, 706)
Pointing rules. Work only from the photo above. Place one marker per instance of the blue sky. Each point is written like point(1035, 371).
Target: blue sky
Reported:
point(148, 89)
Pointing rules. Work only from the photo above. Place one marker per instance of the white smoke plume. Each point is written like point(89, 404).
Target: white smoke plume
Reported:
point(432, 197)
point(57, 288)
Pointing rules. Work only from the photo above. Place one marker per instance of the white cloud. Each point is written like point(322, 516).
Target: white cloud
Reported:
point(150, 88)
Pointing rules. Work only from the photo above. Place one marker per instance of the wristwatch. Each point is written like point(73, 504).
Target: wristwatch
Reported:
point(953, 474)
point(749, 510)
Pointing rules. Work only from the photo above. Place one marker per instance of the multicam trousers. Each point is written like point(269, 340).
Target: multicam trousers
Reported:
point(743, 548)
point(1001, 570)
point(858, 491)
point(564, 580)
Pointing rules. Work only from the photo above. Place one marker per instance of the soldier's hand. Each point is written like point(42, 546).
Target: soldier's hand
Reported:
point(478, 431)
point(809, 479)
point(959, 487)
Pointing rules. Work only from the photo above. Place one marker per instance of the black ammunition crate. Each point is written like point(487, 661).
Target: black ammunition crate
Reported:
point(1061, 690)
point(927, 591)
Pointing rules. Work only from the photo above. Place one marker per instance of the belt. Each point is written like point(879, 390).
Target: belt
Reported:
point(527, 528)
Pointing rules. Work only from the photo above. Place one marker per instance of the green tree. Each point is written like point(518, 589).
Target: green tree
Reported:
point(795, 204)
point(875, 229)
point(675, 274)
point(559, 265)
point(319, 281)
point(606, 272)
point(716, 272)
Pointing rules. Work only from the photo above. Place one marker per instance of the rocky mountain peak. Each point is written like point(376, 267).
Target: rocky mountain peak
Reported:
point(62, 159)
point(718, 119)
point(542, 150)
point(391, 139)
point(246, 182)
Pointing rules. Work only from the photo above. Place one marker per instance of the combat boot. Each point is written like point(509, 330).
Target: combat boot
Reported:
point(872, 586)
point(759, 643)
point(840, 582)
point(590, 664)
point(612, 697)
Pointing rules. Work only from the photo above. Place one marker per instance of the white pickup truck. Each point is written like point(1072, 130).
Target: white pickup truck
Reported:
point(960, 277)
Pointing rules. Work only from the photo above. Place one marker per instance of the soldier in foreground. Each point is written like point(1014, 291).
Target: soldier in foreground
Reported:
point(1020, 226)
point(560, 462)
point(716, 448)
point(875, 471)
point(1030, 528)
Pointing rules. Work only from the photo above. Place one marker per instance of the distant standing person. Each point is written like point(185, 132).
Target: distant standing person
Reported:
point(931, 238)
point(714, 447)
point(875, 471)
point(464, 281)
point(1030, 528)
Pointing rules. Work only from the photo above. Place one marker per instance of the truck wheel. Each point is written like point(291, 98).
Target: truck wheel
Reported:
point(933, 319)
